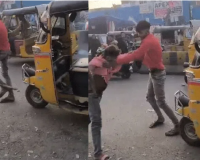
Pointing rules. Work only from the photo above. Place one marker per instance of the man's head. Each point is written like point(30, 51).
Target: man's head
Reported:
point(111, 53)
point(123, 35)
point(110, 38)
point(143, 28)
point(21, 18)
point(93, 36)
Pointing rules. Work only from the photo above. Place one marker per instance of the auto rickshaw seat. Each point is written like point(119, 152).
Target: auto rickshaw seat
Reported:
point(29, 71)
point(79, 77)
point(81, 63)
point(183, 101)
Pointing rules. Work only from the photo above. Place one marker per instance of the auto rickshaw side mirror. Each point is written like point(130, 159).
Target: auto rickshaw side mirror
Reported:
point(72, 17)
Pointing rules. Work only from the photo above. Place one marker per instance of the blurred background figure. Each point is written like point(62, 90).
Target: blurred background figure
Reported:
point(122, 45)
point(94, 44)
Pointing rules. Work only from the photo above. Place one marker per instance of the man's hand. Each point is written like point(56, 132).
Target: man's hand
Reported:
point(106, 65)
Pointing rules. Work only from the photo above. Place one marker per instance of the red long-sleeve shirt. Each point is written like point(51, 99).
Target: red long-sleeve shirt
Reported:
point(150, 53)
point(4, 43)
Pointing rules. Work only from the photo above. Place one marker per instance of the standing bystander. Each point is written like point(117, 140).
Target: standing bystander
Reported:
point(4, 54)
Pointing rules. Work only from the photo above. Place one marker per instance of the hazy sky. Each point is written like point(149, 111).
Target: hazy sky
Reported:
point(93, 4)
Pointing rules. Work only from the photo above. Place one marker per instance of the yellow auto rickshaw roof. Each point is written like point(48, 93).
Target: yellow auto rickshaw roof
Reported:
point(20, 11)
point(67, 6)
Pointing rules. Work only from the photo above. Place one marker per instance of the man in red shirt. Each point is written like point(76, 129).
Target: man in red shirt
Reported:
point(4, 54)
point(150, 53)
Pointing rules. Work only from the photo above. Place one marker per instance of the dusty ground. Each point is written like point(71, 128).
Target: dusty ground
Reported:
point(51, 133)
point(127, 116)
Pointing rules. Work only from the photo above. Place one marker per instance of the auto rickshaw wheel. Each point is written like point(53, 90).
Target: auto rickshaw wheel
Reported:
point(187, 132)
point(34, 97)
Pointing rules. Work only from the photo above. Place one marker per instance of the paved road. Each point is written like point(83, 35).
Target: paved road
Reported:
point(126, 119)
point(51, 133)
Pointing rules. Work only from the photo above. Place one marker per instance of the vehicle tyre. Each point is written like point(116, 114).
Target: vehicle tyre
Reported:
point(126, 75)
point(187, 132)
point(34, 97)
point(134, 67)
point(185, 78)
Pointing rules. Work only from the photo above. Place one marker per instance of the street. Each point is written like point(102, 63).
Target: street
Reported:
point(44, 134)
point(126, 118)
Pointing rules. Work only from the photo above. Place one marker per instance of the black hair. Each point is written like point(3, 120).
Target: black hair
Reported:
point(142, 25)
point(111, 36)
point(112, 51)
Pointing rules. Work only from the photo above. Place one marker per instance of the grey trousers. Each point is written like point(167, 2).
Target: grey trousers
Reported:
point(4, 67)
point(156, 96)
point(96, 122)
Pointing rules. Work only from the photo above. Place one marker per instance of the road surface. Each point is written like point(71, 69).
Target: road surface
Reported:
point(30, 134)
point(127, 116)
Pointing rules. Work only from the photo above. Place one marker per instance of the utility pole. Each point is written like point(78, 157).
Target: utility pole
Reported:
point(21, 4)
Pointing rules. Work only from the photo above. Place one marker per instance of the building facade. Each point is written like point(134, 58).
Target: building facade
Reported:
point(157, 13)
point(19, 4)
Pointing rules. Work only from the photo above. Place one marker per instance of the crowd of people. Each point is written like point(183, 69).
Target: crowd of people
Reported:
point(102, 67)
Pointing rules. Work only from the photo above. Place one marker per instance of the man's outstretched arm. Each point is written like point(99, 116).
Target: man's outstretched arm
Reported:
point(135, 55)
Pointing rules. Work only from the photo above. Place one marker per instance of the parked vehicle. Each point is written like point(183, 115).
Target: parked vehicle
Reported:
point(60, 77)
point(22, 36)
point(188, 106)
point(194, 26)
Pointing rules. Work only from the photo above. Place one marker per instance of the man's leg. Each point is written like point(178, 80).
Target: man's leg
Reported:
point(158, 80)
point(12, 44)
point(151, 99)
point(96, 123)
point(4, 67)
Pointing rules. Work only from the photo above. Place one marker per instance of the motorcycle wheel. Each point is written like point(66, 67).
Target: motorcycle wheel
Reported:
point(126, 75)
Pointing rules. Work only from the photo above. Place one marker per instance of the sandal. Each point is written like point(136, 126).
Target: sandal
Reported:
point(103, 157)
point(156, 124)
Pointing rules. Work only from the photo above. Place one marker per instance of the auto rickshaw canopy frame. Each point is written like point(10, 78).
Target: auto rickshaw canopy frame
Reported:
point(20, 11)
point(57, 7)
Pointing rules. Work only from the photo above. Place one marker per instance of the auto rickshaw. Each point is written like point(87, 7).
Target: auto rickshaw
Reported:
point(194, 26)
point(22, 41)
point(188, 106)
point(168, 36)
point(60, 77)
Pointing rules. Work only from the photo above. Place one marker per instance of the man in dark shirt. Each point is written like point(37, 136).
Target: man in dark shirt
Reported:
point(122, 43)
point(94, 44)
point(4, 54)
point(150, 53)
